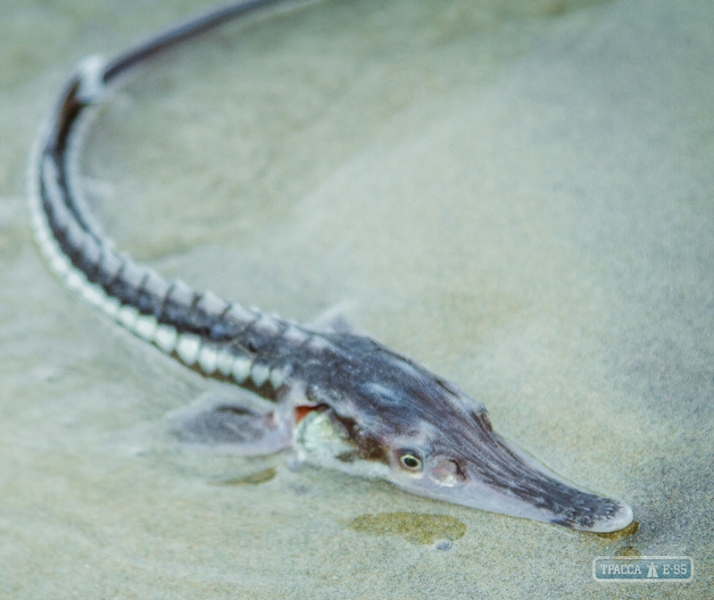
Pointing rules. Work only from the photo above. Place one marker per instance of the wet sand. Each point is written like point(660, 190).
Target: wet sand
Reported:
point(516, 194)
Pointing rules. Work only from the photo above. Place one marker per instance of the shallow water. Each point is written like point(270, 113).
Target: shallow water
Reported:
point(517, 194)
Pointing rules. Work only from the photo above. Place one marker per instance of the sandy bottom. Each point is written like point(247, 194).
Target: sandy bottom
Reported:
point(520, 195)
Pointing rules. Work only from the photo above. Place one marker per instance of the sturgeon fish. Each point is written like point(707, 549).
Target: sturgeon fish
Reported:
point(340, 399)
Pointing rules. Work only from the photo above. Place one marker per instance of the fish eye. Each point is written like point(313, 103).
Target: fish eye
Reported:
point(410, 461)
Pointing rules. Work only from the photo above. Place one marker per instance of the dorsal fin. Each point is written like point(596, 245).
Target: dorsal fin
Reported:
point(332, 320)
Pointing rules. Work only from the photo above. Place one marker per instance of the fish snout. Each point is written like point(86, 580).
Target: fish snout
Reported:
point(596, 514)
point(511, 482)
point(486, 472)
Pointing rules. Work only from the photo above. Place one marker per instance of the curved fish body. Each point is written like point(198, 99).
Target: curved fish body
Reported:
point(340, 399)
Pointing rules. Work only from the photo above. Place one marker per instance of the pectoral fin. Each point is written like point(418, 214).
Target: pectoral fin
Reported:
point(232, 425)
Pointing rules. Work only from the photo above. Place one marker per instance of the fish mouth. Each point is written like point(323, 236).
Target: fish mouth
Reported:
point(496, 476)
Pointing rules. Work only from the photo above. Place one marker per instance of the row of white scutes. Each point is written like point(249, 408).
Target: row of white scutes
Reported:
point(189, 348)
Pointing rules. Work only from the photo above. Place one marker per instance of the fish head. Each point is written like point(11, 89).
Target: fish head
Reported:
point(395, 420)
